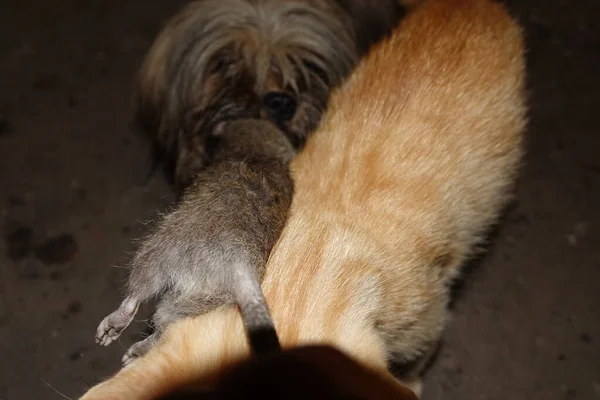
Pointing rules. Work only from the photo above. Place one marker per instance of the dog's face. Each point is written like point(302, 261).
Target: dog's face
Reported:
point(267, 78)
point(219, 60)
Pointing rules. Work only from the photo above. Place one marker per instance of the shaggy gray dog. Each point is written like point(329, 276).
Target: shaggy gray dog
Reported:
point(218, 60)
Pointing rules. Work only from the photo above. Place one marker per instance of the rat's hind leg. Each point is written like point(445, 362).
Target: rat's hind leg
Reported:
point(170, 309)
point(167, 311)
point(112, 325)
point(140, 348)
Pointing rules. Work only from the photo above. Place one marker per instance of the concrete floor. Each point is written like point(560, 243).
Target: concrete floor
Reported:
point(73, 196)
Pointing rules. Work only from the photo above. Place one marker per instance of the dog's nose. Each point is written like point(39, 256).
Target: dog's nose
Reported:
point(280, 106)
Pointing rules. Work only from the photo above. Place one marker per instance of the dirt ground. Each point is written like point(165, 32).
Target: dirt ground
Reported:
point(73, 196)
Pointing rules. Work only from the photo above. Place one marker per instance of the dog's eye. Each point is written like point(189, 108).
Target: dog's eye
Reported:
point(280, 106)
point(217, 66)
point(317, 71)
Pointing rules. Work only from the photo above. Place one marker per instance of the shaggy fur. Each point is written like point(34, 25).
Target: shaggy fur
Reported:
point(411, 165)
point(218, 60)
point(212, 249)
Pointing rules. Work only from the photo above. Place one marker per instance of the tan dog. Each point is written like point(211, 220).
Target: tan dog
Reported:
point(412, 163)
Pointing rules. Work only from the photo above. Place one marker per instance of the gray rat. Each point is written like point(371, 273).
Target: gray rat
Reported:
point(211, 250)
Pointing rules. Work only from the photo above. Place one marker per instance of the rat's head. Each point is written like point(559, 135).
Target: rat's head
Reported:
point(257, 138)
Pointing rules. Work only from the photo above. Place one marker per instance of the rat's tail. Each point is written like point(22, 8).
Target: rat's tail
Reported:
point(255, 312)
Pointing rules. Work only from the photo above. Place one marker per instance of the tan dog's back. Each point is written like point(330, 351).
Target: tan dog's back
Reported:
point(411, 164)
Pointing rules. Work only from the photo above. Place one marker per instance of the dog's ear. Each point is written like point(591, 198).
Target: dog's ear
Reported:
point(308, 372)
point(372, 20)
point(315, 372)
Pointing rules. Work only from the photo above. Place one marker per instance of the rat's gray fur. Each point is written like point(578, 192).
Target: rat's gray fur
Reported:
point(212, 249)
point(217, 60)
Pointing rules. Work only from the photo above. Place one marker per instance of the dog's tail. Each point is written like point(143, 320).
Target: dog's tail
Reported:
point(255, 312)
